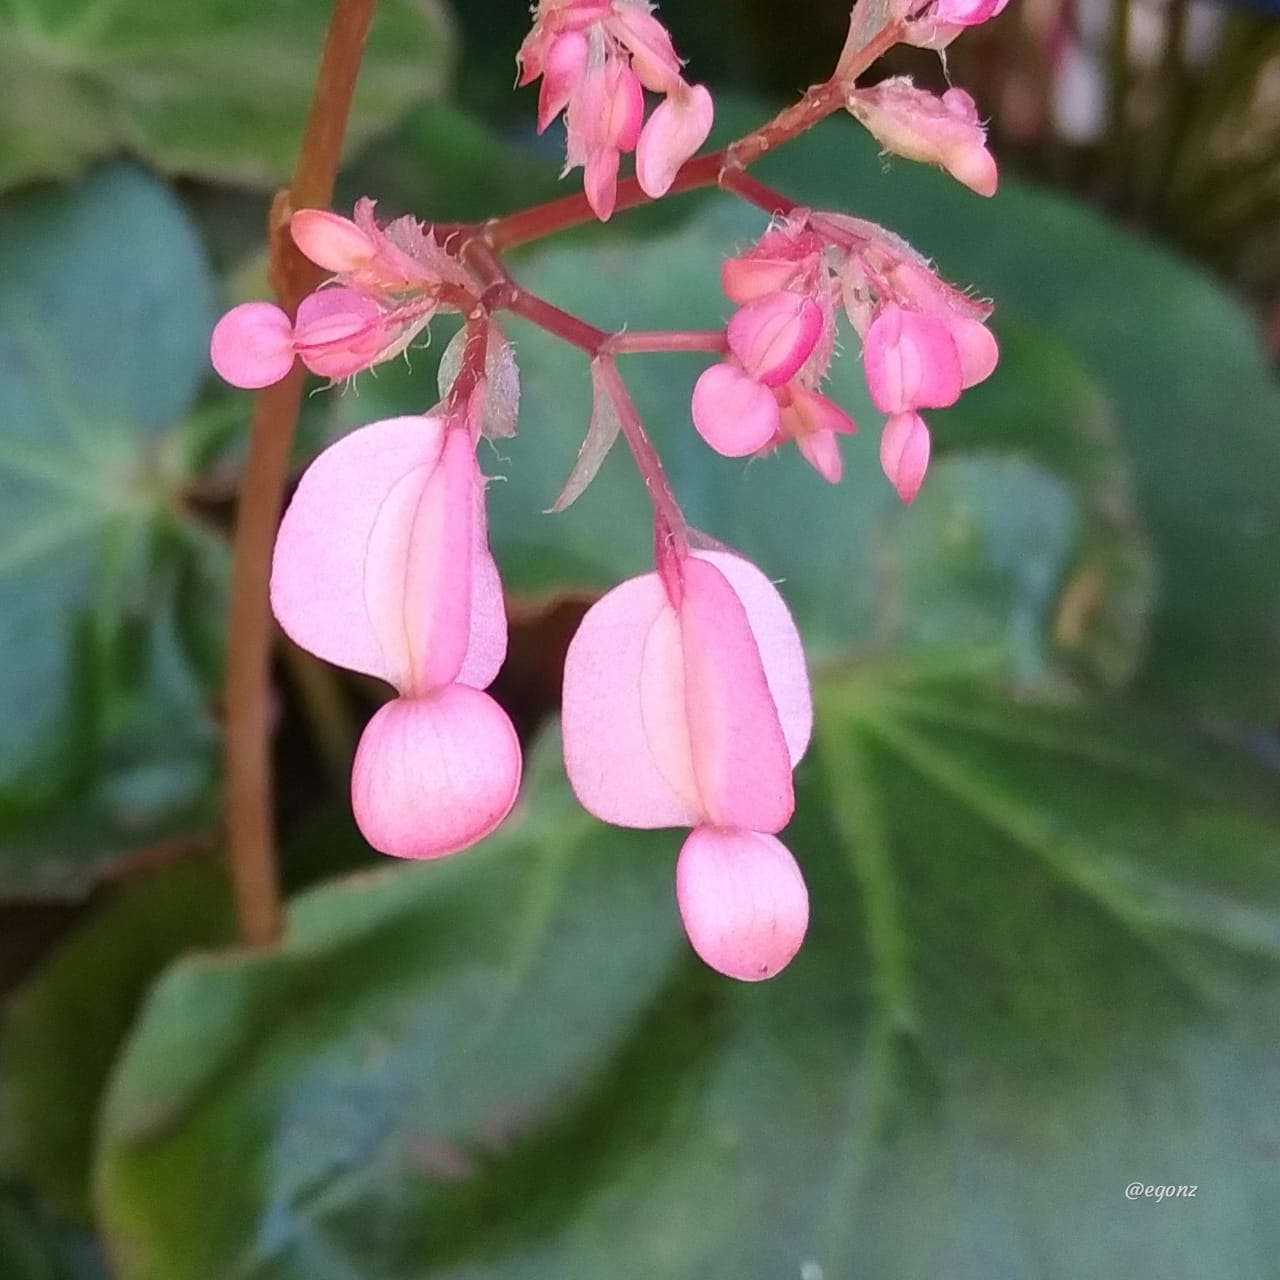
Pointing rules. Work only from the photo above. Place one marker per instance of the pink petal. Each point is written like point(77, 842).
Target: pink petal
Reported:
point(733, 413)
point(487, 642)
point(252, 345)
point(904, 453)
point(743, 901)
point(600, 181)
point(774, 336)
point(433, 775)
point(418, 569)
point(653, 56)
point(911, 361)
point(740, 755)
point(748, 279)
point(330, 241)
point(339, 332)
point(678, 127)
point(624, 107)
point(563, 73)
point(821, 450)
point(318, 571)
point(778, 640)
point(606, 749)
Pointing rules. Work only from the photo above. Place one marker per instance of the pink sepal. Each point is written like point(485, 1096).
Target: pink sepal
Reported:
point(435, 774)
point(743, 901)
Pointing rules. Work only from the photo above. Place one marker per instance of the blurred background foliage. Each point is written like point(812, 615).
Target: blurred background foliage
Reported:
point(1040, 819)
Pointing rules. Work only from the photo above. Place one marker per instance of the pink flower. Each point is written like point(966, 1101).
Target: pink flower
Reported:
point(911, 361)
point(595, 59)
point(692, 712)
point(938, 24)
point(382, 566)
point(921, 126)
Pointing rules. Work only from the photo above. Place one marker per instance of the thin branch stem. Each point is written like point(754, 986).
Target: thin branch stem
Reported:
point(250, 821)
point(663, 341)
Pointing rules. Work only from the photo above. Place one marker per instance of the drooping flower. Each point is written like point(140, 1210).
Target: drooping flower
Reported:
point(595, 59)
point(692, 712)
point(382, 566)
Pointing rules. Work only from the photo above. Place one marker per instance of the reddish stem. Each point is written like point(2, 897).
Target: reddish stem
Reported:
point(250, 825)
point(663, 341)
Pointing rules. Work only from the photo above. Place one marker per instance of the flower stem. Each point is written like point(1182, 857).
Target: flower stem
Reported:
point(250, 821)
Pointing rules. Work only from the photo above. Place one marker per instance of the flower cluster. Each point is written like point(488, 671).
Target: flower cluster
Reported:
point(686, 698)
point(923, 343)
point(387, 284)
point(595, 59)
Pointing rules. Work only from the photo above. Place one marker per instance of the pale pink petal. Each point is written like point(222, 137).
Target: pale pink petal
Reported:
point(678, 126)
point(606, 750)
point(733, 413)
point(806, 412)
point(433, 775)
point(774, 336)
point(740, 754)
point(664, 709)
point(624, 106)
point(911, 361)
point(318, 571)
point(339, 332)
point(743, 901)
point(252, 345)
point(778, 640)
point(330, 241)
point(418, 569)
point(904, 453)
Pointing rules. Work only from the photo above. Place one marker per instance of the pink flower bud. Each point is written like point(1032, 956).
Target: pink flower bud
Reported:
point(732, 412)
point(339, 332)
point(674, 132)
point(252, 345)
point(911, 361)
point(331, 242)
point(774, 336)
point(904, 453)
point(743, 901)
point(921, 126)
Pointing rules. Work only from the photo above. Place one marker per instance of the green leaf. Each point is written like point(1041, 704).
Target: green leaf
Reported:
point(1042, 966)
point(827, 543)
point(213, 88)
point(62, 1031)
point(1195, 400)
point(105, 740)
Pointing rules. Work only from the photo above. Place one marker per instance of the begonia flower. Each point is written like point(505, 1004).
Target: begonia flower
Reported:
point(382, 566)
point(692, 712)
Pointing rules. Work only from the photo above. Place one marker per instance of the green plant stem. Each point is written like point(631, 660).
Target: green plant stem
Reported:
point(250, 818)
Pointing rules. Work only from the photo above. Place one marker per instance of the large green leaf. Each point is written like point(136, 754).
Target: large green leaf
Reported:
point(1042, 966)
point(62, 1031)
point(1196, 402)
point(834, 546)
point(105, 740)
point(216, 88)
